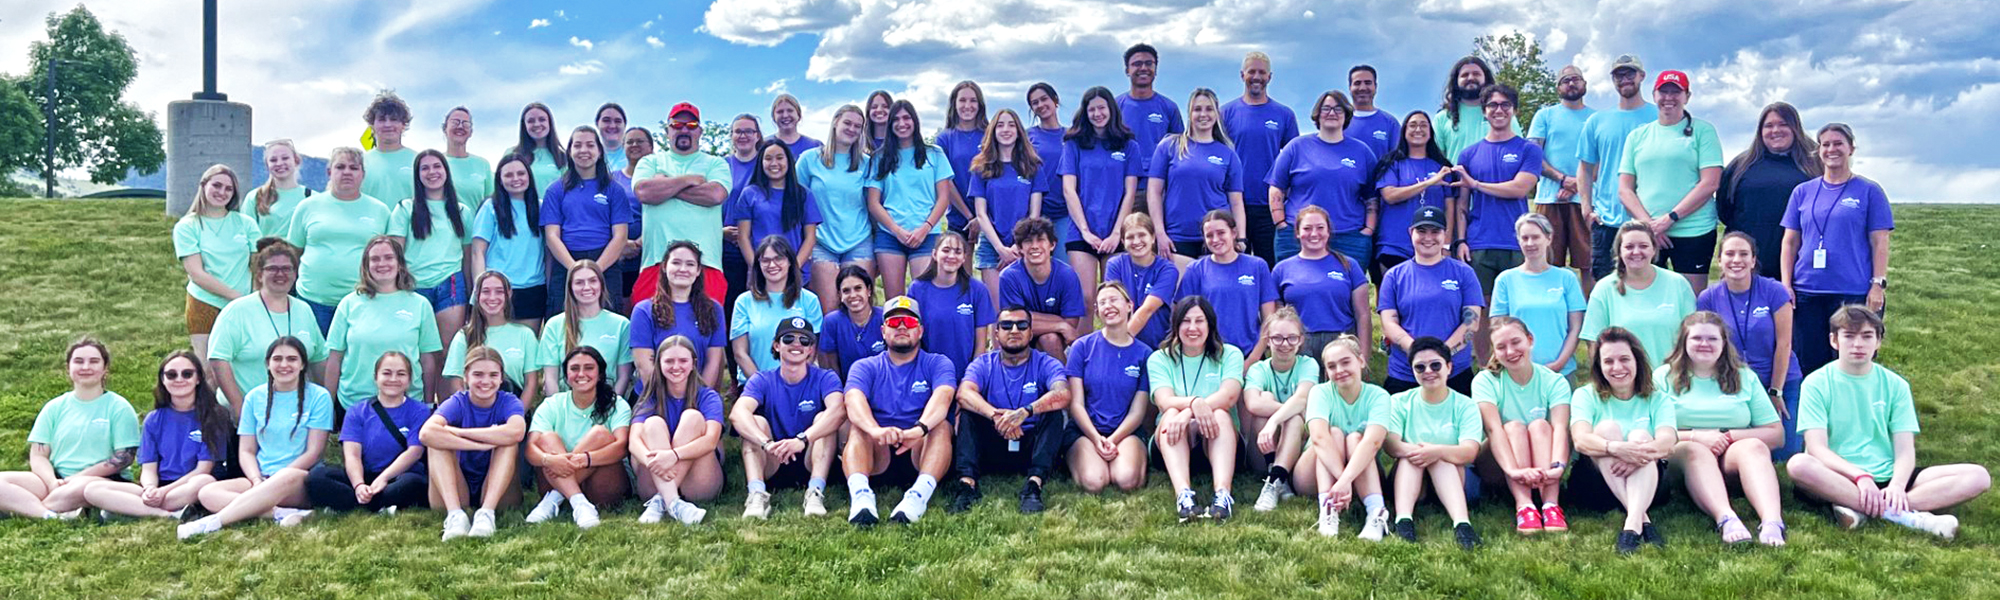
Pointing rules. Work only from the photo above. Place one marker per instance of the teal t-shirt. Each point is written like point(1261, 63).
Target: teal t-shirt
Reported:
point(279, 221)
point(441, 254)
point(1859, 414)
point(245, 329)
point(842, 203)
point(365, 328)
point(1544, 302)
point(516, 343)
point(1640, 413)
point(1453, 421)
point(389, 177)
point(1192, 375)
point(544, 170)
point(909, 193)
point(471, 177)
point(757, 322)
point(1603, 144)
point(332, 233)
point(281, 427)
point(1653, 314)
point(1704, 406)
point(1265, 378)
point(610, 333)
point(675, 220)
point(81, 433)
point(1371, 407)
point(1544, 391)
point(560, 415)
point(1668, 165)
point(224, 244)
point(1470, 129)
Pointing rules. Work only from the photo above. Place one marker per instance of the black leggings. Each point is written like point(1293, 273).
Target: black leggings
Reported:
point(327, 487)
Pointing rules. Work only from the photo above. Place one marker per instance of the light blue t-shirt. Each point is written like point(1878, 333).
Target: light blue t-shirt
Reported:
point(1544, 301)
point(282, 429)
point(1603, 144)
point(843, 206)
point(758, 320)
point(520, 258)
point(1560, 129)
point(909, 193)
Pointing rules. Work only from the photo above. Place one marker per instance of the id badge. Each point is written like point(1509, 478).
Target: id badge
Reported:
point(1819, 258)
point(1013, 445)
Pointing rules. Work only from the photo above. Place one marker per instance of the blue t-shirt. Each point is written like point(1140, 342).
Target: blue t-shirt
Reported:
point(1378, 129)
point(850, 342)
point(799, 147)
point(1837, 219)
point(1100, 182)
point(707, 402)
point(842, 204)
point(1429, 301)
point(1150, 120)
point(1544, 302)
point(1561, 131)
point(1048, 144)
point(1750, 317)
point(1110, 376)
point(1259, 132)
point(173, 439)
point(1321, 289)
point(459, 411)
point(909, 193)
point(959, 147)
point(378, 448)
point(757, 321)
point(1491, 224)
point(1060, 294)
point(518, 257)
point(1330, 176)
point(1238, 291)
point(282, 428)
point(587, 212)
point(951, 314)
point(1159, 280)
point(791, 407)
point(1011, 387)
point(646, 334)
point(1392, 225)
point(1196, 183)
point(897, 393)
point(1602, 143)
point(1009, 196)
point(765, 210)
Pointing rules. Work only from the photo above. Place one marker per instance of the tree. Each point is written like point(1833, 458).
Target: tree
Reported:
point(1517, 61)
point(94, 128)
point(714, 138)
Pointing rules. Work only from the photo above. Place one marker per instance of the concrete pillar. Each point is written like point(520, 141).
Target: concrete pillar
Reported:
point(201, 133)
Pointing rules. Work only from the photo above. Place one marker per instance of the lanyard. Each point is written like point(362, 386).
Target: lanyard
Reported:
point(273, 320)
point(1187, 386)
point(1287, 385)
point(1826, 215)
point(1741, 315)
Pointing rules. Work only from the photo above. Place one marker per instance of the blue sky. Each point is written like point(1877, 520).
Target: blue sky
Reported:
point(1917, 79)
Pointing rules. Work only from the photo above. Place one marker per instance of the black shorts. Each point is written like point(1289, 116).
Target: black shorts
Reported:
point(1079, 246)
point(531, 302)
point(1587, 490)
point(790, 475)
point(1194, 249)
point(1689, 255)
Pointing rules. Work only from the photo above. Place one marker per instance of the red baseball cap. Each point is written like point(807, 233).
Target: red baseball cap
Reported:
point(685, 107)
point(1673, 77)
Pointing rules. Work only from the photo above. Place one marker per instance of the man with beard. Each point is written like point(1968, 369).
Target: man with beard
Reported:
point(682, 190)
point(1600, 146)
point(1050, 290)
point(1000, 425)
point(1374, 127)
point(1461, 120)
point(1149, 115)
point(1557, 128)
point(1259, 126)
point(898, 403)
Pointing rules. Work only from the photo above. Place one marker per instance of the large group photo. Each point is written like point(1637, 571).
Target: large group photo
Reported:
point(1245, 319)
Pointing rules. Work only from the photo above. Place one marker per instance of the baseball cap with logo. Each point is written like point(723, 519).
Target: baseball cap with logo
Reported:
point(685, 107)
point(1671, 77)
point(1626, 61)
point(1428, 216)
point(901, 304)
point(795, 325)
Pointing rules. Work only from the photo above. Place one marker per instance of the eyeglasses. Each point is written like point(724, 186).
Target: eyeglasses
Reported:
point(1499, 106)
point(1287, 339)
point(688, 125)
point(459, 122)
point(1020, 325)
point(773, 260)
point(745, 132)
point(1426, 367)
point(901, 322)
point(280, 269)
point(1570, 79)
point(796, 339)
point(178, 374)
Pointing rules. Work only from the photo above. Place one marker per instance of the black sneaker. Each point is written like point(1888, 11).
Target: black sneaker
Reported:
point(1031, 498)
point(964, 497)
point(1628, 541)
point(1406, 529)
point(1222, 508)
point(1652, 536)
point(1467, 538)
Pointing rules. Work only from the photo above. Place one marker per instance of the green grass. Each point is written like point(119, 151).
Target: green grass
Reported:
point(104, 268)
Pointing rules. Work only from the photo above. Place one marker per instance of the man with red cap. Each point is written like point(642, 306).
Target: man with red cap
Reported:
point(682, 191)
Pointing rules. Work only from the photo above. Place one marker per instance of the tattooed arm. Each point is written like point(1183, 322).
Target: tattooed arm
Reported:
point(39, 464)
point(120, 459)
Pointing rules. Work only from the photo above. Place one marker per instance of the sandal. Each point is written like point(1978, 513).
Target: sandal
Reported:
point(1771, 533)
point(1733, 531)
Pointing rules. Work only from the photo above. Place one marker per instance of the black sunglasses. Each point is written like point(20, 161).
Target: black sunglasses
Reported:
point(796, 339)
point(1426, 367)
point(1012, 325)
point(176, 375)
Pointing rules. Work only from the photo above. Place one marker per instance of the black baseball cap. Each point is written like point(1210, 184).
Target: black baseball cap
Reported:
point(1428, 216)
point(795, 325)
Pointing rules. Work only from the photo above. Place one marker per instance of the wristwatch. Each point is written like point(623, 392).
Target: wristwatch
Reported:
point(1674, 216)
point(1881, 282)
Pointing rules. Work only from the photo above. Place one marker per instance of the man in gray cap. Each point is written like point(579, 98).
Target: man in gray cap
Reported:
point(1598, 151)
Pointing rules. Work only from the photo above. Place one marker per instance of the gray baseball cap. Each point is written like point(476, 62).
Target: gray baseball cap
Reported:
point(1627, 61)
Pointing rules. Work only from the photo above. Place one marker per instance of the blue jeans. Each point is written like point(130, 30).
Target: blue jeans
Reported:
point(1603, 251)
point(1794, 443)
point(449, 294)
point(1284, 244)
point(322, 313)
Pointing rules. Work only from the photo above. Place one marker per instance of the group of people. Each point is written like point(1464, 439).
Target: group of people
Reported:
point(594, 314)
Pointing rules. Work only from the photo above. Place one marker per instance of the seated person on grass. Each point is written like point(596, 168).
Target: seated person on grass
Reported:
point(898, 403)
point(1000, 422)
point(472, 444)
point(790, 419)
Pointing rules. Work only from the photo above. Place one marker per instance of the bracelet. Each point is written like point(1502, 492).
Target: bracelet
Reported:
point(1858, 478)
point(925, 428)
point(586, 461)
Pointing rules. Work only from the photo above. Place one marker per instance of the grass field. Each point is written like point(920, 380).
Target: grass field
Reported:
point(104, 268)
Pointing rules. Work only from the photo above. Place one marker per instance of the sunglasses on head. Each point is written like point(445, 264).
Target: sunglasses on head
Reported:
point(796, 339)
point(1426, 367)
point(179, 374)
point(901, 322)
point(1021, 325)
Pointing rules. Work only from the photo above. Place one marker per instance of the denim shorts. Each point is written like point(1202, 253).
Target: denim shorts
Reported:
point(985, 256)
point(865, 250)
point(885, 243)
point(449, 294)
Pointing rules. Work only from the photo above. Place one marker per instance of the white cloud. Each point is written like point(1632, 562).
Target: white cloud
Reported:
point(646, 25)
point(538, 23)
point(559, 13)
point(776, 87)
point(581, 68)
point(581, 43)
point(655, 42)
point(768, 22)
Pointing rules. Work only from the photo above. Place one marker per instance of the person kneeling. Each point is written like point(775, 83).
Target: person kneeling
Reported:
point(576, 442)
point(472, 443)
point(898, 402)
point(1432, 430)
point(1002, 398)
point(381, 457)
point(790, 419)
point(678, 426)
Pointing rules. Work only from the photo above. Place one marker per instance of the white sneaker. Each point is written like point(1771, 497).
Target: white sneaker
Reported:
point(482, 524)
point(289, 517)
point(548, 508)
point(910, 509)
point(1329, 519)
point(861, 509)
point(456, 525)
point(70, 515)
point(204, 525)
point(687, 513)
point(1377, 524)
point(583, 512)
point(656, 508)
point(1267, 500)
point(1848, 518)
point(1944, 526)
point(757, 505)
point(387, 511)
point(815, 502)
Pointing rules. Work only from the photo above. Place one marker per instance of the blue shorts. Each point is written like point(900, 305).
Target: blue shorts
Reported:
point(449, 294)
point(865, 250)
point(885, 243)
point(323, 314)
point(985, 256)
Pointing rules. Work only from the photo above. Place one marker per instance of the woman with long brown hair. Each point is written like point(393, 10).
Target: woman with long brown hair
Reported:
point(488, 327)
point(1728, 426)
point(1758, 183)
point(181, 446)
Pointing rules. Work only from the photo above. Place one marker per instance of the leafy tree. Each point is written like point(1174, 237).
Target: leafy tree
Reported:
point(1517, 61)
point(94, 127)
point(714, 138)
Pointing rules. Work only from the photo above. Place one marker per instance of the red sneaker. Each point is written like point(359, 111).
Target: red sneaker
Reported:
point(1528, 521)
point(1552, 519)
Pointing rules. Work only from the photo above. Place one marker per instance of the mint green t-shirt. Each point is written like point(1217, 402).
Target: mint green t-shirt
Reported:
point(472, 178)
point(1192, 375)
point(245, 329)
point(1470, 129)
point(1265, 378)
point(1653, 314)
point(224, 244)
point(1667, 165)
point(1371, 407)
point(544, 170)
point(674, 220)
point(280, 220)
point(1453, 421)
point(81, 433)
point(332, 232)
point(440, 255)
point(516, 343)
point(1544, 391)
point(560, 415)
point(1640, 413)
point(1859, 414)
point(608, 332)
point(389, 177)
point(1704, 406)
point(365, 328)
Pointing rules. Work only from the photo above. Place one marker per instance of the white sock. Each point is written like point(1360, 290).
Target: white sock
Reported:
point(579, 500)
point(50, 514)
point(857, 486)
point(923, 488)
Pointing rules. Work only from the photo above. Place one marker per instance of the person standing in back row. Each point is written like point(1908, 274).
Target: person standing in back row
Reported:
point(682, 190)
point(1757, 184)
point(1668, 180)
point(1150, 116)
point(1558, 130)
point(1260, 126)
point(1599, 150)
point(1375, 127)
point(1460, 121)
point(391, 166)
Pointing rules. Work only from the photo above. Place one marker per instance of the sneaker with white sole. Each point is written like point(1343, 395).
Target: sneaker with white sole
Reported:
point(1267, 500)
point(387, 511)
point(815, 502)
point(548, 508)
point(583, 512)
point(482, 524)
point(1848, 518)
point(1944, 526)
point(1376, 525)
point(1185, 507)
point(757, 505)
point(861, 510)
point(656, 509)
point(290, 517)
point(456, 525)
point(910, 509)
point(1329, 519)
point(70, 515)
point(204, 525)
point(686, 512)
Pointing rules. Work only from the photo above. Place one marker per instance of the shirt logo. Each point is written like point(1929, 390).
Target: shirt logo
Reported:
point(1664, 306)
point(1850, 202)
point(1381, 135)
point(1156, 118)
point(1132, 371)
point(1336, 275)
point(1118, 156)
point(1555, 291)
point(194, 435)
point(1348, 162)
point(601, 199)
point(405, 431)
point(920, 387)
point(1246, 280)
point(1022, 180)
point(406, 315)
point(511, 353)
point(965, 309)
point(875, 347)
point(808, 405)
point(1449, 284)
point(366, 220)
point(1271, 125)
point(1031, 388)
point(1215, 160)
point(607, 338)
point(1760, 312)
point(1510, 158)
point(1051, 301)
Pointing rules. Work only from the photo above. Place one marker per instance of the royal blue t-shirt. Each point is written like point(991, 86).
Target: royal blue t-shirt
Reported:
point(1060, 294)
point(1838, 218)
point(1321, 289)
point(1491, 225)
point(1330, 176)
point(1159, 280)
point(799, 147)
point(897, 393)
point(1238, 291)
point(1751, 319)
point(587, 212)
point(173, 439)
point(1010, 196)
point(1011, 387)
point(849, 342)
point(959, 148)
point(1429, 301)
point(1378, 129)
point(1150, 120)
point(1048, 144)
point(1110, 376)
point(459, 411)
point(707, 402)
point(765, 210)
point(1393, 223)
point(1259, 132)
point(378, 448)
point(647, 336)
point(951, 314)
point(791, 407)
point(1100, 182)
point(1196, 183)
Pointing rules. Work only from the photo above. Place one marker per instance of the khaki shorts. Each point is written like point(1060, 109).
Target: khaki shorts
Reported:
point(200, 316)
